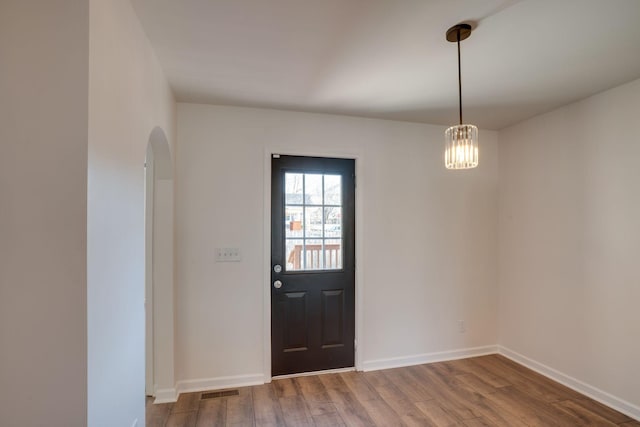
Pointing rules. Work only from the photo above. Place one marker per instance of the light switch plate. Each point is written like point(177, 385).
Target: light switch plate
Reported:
point(228, 255)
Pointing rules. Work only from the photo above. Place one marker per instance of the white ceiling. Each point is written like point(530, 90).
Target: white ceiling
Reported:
point(389, 58)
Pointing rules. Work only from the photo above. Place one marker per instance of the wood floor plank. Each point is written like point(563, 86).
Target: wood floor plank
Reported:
point(309, 385)
point(156, 415)
point(409, 413)
point(328, 420)
point(416, 389)
point(456, 403)
point(315, 395)
point(468, 397)
point(531, 409)
point(579, 412)
point(478, 422)
point(476, 383)
point(632, 423)
point(350, 409)
point(187, 402)
point(602, 410)
point(240, 408)
point(436, 414)
point(514, 409)
point(468, 366)
point(561, 391)
point(375, 378)
point(266, 406)
point(359, 386)
point(381, 413)
point(212, 413)
point(515, 378)
point(285, 387)
point(332, 381)
point(182, 419)
point(526, 379)
point(295, 411)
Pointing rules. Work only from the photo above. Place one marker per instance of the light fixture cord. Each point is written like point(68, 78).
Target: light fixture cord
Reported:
point(459, 80)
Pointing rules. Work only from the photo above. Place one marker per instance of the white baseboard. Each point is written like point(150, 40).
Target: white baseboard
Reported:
point(595, 393)
point(219, 383)
point(169, 395)
point(419, 359)
point(166, 395)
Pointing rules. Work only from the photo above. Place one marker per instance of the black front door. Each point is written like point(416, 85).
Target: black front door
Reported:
point(312, 264)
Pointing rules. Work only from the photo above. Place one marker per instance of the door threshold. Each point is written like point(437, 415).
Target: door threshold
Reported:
point(308, 374)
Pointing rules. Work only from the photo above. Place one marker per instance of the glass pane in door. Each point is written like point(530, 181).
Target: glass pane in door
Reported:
point(313, 221)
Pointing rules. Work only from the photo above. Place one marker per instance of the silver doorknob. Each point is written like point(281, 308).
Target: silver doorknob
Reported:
point(277, 284)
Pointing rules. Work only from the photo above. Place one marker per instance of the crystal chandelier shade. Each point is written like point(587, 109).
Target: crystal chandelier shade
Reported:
point(461, 149)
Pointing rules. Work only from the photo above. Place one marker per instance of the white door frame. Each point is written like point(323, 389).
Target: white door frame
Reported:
point(148, 275)
point(159, 269)
point(359, 247)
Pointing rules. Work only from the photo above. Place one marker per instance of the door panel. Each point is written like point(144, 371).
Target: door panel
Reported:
point(295, 338)
point(313, 264)
point(332, 318)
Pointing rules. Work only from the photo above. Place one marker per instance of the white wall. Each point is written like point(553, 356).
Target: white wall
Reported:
point(570, 241)
point(428, 236)
point(129, 96)
point(44, 51)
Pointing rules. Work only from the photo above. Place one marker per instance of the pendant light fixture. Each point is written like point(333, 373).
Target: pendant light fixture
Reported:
point(461, 150)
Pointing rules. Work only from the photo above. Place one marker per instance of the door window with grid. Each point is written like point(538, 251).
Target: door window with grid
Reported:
point(313, 221)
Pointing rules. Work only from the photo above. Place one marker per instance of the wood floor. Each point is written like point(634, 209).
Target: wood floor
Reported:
point(481, 391)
